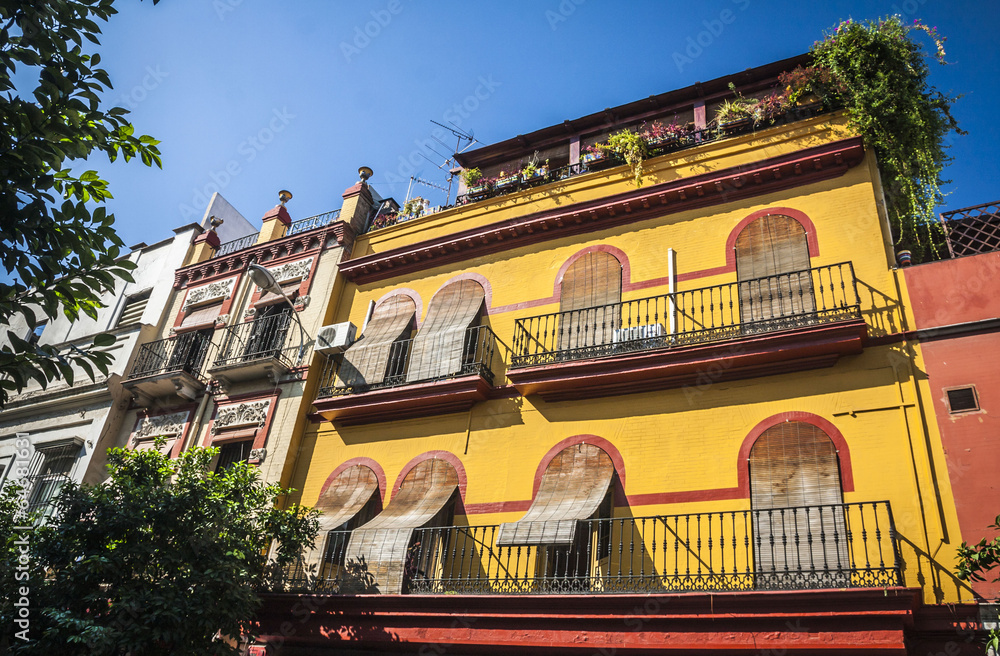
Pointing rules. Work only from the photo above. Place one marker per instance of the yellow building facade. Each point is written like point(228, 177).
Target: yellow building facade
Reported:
point(576, 385)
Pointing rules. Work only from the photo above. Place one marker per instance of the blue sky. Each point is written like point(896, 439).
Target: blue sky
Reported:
point(252, 96)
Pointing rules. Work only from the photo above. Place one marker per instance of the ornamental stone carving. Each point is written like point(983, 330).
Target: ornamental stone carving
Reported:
point(257, 455)
point(251, 413)
point(170, 425)
point(292, 270)
point(221, 289)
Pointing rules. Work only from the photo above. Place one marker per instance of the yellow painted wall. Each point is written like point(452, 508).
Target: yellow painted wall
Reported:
point(682, 440)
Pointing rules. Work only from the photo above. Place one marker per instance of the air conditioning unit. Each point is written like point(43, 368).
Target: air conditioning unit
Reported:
point(335, 338)
point(638, 332)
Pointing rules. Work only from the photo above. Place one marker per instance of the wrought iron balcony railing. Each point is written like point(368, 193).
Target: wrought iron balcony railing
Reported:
point(265, 338)
point(482, 354)
point(804, 547)
point(185, 352)
point(312, 222)
point(731, 310)
point(236, 245)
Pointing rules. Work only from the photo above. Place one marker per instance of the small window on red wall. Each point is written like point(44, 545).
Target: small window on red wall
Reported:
point(963, 399)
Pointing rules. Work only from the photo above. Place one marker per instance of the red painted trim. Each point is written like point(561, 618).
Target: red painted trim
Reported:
point(364, 462)
point(687, 496)
point(304, 284)
point(260, 436)
point(448, 457)
point(418, 302)
point(601, 443)
point(227, 303)
point(182, 437)
point(405, 402)
point(843, 451)
point(807, 225)
point(792, 170)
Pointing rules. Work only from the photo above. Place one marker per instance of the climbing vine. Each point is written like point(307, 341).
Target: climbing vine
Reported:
point(631, 147)
point(878, 72)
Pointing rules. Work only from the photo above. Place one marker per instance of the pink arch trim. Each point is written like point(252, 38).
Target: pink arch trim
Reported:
point(843, 451)
point(613, 251)
point(364, 462)
point(405, 291)
point(448, 457)
point(594, 440)
point(470, 275)
point(805, 221)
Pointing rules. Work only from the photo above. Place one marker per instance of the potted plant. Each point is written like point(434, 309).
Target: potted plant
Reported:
point(505, 179)
point(591, 154)
point(413, 208)
point(532, 169)
point(475, 183)
point(660, 136)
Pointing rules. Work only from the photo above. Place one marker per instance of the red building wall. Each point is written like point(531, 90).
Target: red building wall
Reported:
point(956, 306)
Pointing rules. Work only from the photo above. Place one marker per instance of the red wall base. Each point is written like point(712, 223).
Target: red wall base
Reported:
point(807, 622)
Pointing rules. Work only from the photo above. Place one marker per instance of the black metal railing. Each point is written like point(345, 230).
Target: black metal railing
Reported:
point(328, 574)
point(312, 222)
point(482, 353)
point(265, 338)
point(730, 310)
point(185, 352)
point(806, 547)
point(681, 142)
point(236, 245)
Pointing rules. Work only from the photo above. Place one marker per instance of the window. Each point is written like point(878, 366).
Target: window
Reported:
point(439, 349)
point(962, 399)
point(369, 359)
point(796, 502)
point(201, 316)
point(135, 305)
point(232, 453)
point(51, 470)
point(589, 301)
point(5, 465)
point(772, 266)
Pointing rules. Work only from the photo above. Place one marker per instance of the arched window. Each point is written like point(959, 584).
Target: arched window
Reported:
point(441, 346)
point(377, 355)
point(590, 298)
point(796, 499)
point(772, 266)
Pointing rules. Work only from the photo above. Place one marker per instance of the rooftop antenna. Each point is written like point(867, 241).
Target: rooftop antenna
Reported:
point(449, 162)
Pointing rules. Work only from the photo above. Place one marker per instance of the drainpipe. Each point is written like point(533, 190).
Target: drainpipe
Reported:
point(672, 289)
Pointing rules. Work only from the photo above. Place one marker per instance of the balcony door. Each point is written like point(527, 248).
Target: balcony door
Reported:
point(267, 336)
point(799, 529)
point(590, 298)
point(772, 267)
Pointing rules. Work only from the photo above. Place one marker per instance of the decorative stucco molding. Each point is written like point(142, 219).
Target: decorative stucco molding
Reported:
point(221, 289)
point(242, 414)
point(292, 270)
point(257, 455)
point(170, 425)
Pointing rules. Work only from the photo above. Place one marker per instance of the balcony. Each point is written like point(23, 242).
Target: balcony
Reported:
point(851, 545)
point(776, 324)
point(264, 347)
point(401, 394)
point(296, 227)
point(170, 366)
point(690, 138)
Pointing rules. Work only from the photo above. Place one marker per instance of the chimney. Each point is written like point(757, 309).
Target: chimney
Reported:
point(277, 220)
point(358, 204)
point(206, 244)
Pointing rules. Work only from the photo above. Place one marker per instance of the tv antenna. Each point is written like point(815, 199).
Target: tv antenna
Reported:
point(449, 162)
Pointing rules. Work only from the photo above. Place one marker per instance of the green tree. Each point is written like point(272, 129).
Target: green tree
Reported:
point(878, 71)
point(58, 246)
point(165, 558)
point(974, 562)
